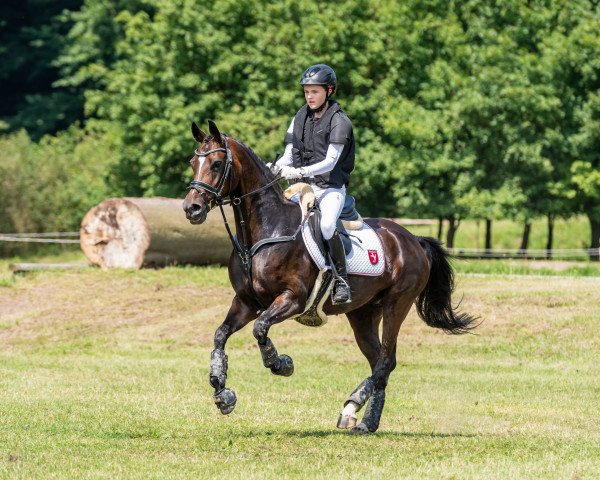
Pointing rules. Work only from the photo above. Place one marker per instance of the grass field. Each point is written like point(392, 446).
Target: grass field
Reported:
point(569, 233)
point(104, 375)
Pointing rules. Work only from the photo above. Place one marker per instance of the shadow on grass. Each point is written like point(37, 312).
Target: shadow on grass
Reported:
point(342, 433)
point(330, 433)
point(133, 435)
point(227, 435)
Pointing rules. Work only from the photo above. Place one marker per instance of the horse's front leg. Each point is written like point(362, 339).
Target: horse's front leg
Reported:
point(238, 316)
point(285, 305)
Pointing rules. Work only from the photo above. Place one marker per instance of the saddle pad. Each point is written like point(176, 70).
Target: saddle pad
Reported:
point(366, 257)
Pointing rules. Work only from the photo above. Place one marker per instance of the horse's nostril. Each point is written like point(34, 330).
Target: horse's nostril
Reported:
point(194, 207)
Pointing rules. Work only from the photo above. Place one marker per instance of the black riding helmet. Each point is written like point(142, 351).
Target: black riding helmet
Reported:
point(320, 74)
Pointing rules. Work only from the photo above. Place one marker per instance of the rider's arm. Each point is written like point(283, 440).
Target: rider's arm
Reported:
point(331, 157)
point(286, 158)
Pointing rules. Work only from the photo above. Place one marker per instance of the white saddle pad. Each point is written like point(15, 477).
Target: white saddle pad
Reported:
point(366, 257)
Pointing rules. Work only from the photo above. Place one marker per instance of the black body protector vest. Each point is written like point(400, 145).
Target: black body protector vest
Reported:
point(312, 137)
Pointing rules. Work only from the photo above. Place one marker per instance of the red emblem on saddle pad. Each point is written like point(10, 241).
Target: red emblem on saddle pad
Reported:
point(373, 256)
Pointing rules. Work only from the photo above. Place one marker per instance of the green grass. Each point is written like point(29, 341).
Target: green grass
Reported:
point(104, 375)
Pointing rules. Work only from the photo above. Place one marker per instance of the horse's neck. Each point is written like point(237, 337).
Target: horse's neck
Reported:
point(263, 212)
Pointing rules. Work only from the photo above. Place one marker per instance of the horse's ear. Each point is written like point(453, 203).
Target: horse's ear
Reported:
point(198, 134)
point(214, 131)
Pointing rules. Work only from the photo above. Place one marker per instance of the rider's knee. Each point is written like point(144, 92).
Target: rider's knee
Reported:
point(327, 229)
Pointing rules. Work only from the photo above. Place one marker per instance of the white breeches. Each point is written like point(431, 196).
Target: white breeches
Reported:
point(331, 201)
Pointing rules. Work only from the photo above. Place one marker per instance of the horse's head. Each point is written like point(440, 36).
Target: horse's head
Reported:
point(212, 165)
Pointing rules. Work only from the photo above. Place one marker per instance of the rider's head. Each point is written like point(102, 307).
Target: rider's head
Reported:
point(319, 82)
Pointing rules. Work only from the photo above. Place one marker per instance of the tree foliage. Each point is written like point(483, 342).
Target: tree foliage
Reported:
point(50, 185)
point(470, 109)
point(32, 36)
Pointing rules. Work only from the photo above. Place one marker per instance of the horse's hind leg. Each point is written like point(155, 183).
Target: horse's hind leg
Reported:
point(365, 324)
point(394, 313)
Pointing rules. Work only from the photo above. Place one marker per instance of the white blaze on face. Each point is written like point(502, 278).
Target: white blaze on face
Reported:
point(201, 160)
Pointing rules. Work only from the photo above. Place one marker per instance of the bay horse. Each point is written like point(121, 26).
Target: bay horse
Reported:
point(272, 275)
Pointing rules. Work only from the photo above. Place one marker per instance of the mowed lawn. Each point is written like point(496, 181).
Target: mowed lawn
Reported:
point(105, 375)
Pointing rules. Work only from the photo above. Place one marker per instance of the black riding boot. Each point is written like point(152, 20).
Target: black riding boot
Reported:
point(341, 289)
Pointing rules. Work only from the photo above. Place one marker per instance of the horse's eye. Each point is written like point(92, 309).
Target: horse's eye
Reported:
point(216, 165)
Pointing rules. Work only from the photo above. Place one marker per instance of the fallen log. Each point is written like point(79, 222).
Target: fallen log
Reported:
point(135, 232)
point(36, 267)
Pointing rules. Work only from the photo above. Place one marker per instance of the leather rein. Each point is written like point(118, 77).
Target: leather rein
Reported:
point(244, 250)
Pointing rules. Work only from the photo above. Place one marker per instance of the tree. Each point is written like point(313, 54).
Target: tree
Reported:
point(572, 54)
point(31, 39)
point(48, 186)
point(461, 109)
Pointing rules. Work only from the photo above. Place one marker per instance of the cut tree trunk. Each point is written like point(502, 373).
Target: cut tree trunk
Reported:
point(136, 232)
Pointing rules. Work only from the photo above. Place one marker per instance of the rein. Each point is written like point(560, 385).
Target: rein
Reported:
point(244, 251)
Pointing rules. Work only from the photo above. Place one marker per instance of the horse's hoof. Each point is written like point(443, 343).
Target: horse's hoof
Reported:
point(285, 366)
point(360, 429)
point(225, 400)
point(346, 421)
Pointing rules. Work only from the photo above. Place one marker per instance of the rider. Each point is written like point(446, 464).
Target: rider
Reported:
point(319, 149)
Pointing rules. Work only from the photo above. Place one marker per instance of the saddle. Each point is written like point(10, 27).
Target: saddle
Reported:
point(364, 251)
point(349, 219)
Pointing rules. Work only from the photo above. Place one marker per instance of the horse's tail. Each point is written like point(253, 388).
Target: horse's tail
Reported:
point(434, 304)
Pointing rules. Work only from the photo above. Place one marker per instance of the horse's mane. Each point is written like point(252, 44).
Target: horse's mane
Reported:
point(261, 165)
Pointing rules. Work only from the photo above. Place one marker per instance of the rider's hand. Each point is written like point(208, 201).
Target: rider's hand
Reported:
point(290, 173)
point(273, 167)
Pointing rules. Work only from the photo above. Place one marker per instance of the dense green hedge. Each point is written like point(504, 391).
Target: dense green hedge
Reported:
point(48, 186)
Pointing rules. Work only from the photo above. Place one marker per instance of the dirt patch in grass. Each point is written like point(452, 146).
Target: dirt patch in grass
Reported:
point(178, 308)
point(73, 306)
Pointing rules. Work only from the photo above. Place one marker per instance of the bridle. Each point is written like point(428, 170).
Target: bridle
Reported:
point(218, 190)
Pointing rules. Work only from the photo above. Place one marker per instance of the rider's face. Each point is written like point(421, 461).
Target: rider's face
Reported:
point(315, 95)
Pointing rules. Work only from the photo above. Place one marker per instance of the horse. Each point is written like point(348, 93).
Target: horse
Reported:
point(272, 275)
